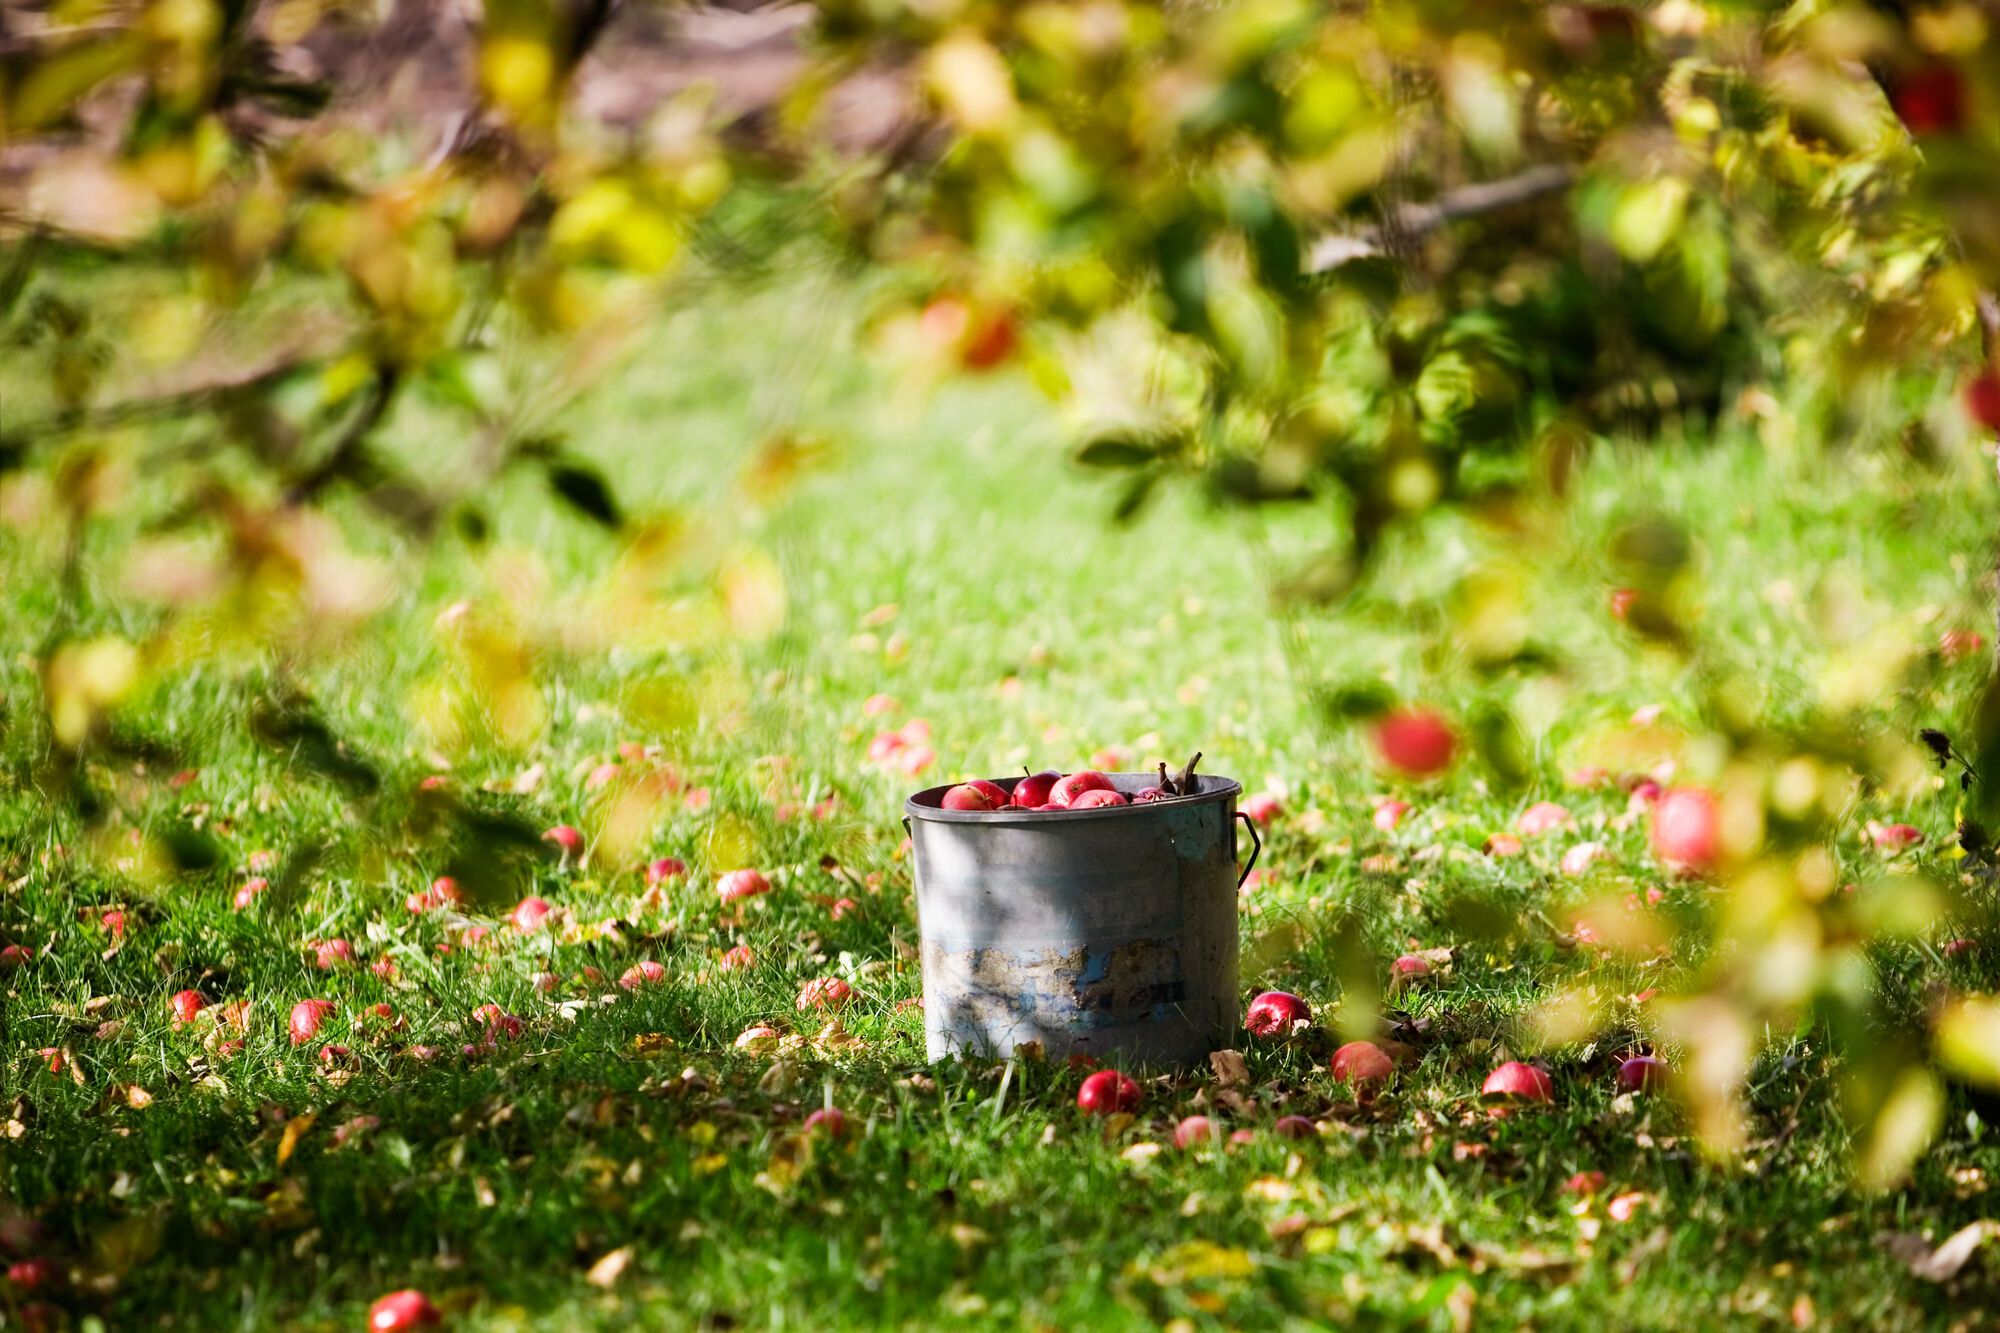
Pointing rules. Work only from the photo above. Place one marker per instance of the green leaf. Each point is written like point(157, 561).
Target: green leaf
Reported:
point(585, 491)
point(1116, 451)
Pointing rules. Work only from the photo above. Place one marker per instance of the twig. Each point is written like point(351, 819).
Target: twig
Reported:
point(1412, 221)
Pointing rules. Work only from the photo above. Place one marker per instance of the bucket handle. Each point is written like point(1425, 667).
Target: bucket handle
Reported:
point(1256, 847)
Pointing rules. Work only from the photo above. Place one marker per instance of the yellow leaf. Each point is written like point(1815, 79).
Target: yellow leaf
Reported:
point(295, 1129)
point(1968, 1039)
point(972, 82)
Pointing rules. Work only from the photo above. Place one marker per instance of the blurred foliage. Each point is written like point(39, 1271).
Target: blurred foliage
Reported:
point(1399, 260)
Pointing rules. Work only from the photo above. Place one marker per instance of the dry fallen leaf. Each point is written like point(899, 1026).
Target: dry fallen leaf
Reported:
point(295, 1129)
point(1943, 1263)
point(1231, 1069)
point(606, 1271)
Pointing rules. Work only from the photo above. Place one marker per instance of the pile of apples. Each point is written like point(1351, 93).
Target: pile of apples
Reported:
point(1050, 790)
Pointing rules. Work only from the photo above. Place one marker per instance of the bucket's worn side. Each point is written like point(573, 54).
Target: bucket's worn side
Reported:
point(1094, 936)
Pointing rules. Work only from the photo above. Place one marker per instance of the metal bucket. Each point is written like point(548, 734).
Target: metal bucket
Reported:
point(1105, 932)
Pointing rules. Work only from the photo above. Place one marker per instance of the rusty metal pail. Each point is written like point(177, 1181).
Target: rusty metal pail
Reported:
point(1105, 932)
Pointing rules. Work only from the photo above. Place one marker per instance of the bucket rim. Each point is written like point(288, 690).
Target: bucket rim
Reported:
point(1215, 790)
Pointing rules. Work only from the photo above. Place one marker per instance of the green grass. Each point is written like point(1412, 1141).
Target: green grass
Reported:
point(970, 1194)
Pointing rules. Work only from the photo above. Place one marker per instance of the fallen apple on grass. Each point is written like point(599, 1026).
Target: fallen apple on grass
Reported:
point(185, 1004)
point(1274, 1013)
point(529, 914)
point(1195, 1131)
point(307, 1015)
point(1685, 822)
point(825, 993)
point(1295, 1127)
point(1415, 742)
point(1362, 1065)
point(646, 972)
point(1107, 1092)
point(740, 884)
point(1516, 1083)
point(401, 1310)
point(1641, 1073)
point(830, 1121)
point(330, 954)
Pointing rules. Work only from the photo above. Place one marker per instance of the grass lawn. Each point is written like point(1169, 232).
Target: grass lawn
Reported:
point(943, 555)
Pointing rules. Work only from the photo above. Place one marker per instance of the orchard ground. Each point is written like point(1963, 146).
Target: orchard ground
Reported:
point(621, 1160)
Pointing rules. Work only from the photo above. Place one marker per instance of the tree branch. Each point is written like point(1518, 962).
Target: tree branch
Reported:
point(1413, 221)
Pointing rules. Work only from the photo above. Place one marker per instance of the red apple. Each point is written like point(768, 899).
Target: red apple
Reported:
point(1584, 1182)
point(825, 993)
point(1147, 795)
point(1261, 807)
point(1622, 602)
point(185, 1004)
point(991, 340)
point(1068, 788)
point(1097, 798)
point(1982, 399)
point(498, 1022)
point(1894, 837)
point(567, 838)
point(1414, 741)
point(1641, 1073)
point(333, 953)
point(979, 794)
point(1032, 792)
point(1517, 1083)
point(30, 1274)
point(1930, 99)
point(1685, 828)
point(1295, 1127)
point(529, 914)
point(1542, 817)
point(1194, 1131)
point(1958, 644)
point(664, 869)
point(1409, 967)
point(739, 884)
point(1390, 813)
point(402, 1310)
point(16, 955)
point(307, 1015)
point(830, 1121)
point(1363, 1064)
point(646, 972)
point(1273, 1013)
point(248, 893)
point(1107, 1091)
point(757, 1038)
